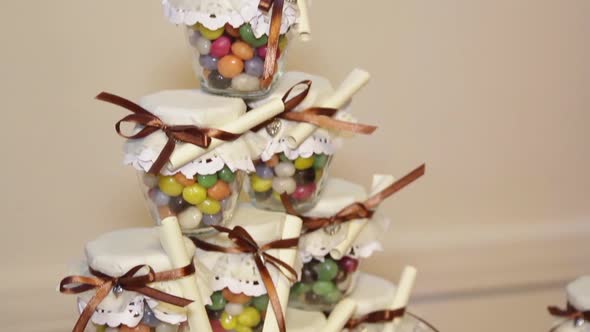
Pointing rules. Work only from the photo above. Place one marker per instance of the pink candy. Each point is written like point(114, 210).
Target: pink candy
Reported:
point(216, 326)
point(304, 192)
point(349, 264)
point(220, 47)
point(262, 51)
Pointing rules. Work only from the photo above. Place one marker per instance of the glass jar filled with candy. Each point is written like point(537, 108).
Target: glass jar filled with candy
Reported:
point(575, 316)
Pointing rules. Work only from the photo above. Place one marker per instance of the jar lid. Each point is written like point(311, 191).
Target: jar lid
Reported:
point(372, 294)
point(191, 107)
point(578, 293)
point(238, 272)
point(304, 321)
point(321, 142)
point(214, 14)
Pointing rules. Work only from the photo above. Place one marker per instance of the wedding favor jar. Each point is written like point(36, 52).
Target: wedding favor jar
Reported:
point(204, 192)
point(229, 43)
point(297, 171)
point(573, 317)
point(331, 255)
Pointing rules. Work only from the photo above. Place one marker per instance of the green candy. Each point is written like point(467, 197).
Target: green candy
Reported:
point(300, 288)
point(326, 270)
point(323, 288)
point(226, 175)
point(100, 328)
point(283, 157)
point(320, 161)
point(260, 302)
point(218, 302)
point(248, 36)
point(333, 297)
point(207, 181)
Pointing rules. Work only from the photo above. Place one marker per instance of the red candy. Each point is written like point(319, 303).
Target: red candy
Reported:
point(216, 326)
point(349, 264)
point(304, 192)
point(220, 47)
point(261, 51)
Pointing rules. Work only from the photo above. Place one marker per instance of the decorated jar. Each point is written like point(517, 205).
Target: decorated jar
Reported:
point(240, 301)
point(113, 255)
point(205, 191)
point(575, 315)
point(331, 255)
point(229, 42)
point(298, 172)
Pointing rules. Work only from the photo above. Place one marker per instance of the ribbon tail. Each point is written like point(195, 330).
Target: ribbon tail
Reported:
point(163, 157)
point(273, 42)
point(163, 297)
point(272, 293)
point(88, 311)
point(398, 185)
point(283, 267)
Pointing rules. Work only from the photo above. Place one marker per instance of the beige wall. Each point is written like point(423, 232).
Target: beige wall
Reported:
point(493, 95)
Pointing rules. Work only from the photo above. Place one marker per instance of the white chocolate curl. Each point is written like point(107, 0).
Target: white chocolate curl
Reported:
point(402, 295)
point(185, 153)
point(357, 79)
point(291, 229)
point(173, 243)
point(303, 27)
point(341, 314)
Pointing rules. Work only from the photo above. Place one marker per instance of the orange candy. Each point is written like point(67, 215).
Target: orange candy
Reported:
point(234, 32)
point(230, 66)
point(165, 212)
point(273, 161)
point(242, 50)
point(138, 328)
point(219, 191)
point(183, 180)
point(240, 298)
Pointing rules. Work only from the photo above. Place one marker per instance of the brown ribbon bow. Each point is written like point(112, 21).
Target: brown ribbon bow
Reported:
point(273, 37)
point(358, 210)
point(151, 123)
point(569, 312)
point(375, 317)
point(319, 116)
point(245, 244)
point(130, 281)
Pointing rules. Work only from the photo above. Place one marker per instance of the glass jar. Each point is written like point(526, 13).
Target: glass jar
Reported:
point(237, 311)
point(574, 317)
point(409, 323)
point(572, 325)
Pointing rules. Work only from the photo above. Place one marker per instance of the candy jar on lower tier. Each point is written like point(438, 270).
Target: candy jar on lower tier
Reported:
point(126, 255)
point(203, 192)
point(230, 43)
point(331, 255)
point(574, 316)
point(240, 301)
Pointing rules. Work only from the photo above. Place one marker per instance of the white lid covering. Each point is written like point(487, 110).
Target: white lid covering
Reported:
point(304, 321)
point(116, 253)
point(238, 272)
point(214, 14)
point(322, 141)
point(578, 293)
point(191, 107)
point(337, 194)
point(372, 293)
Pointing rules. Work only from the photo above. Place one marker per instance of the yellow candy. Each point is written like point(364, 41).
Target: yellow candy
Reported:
point(169, 186)
point(259, 184)
point(228, 322)
point(249, 317)
point(242, 328)
point(283, 41)
point(303, 163)
point(207, 33)
point(210, 206)
point(194, 194)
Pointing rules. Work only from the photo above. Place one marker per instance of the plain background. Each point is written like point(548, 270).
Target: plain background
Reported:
point(493, 95)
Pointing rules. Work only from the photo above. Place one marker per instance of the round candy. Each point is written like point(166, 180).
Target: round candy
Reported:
point(150, 180)
point(261, 51)
point(313, 298)
point(259, 184)
point(323, 287)
point(305, 176)
point(273, 161)
point(240, 298)
point(138, 328)
point(260, 302)
point(218, 81)
point(190, 218)
point(234, 309)
point(327, 270)
point(303, 163)
point(333, 297)
point(212, 219)
point(208, 62)
point(254, 67)
point(308, 273)
point(242, 50)
point(221, 47)
point(178, 204)
point(183, 180)
point(300, 288)
point(194, 194)
point(234, 32)
point(158, 197)
point(349, 264)
point(228, 322)
point(209, 34)
point(304, 192)
point(248, 36)
point(283, 41)
point(320, 161)
point(169, 186)
point(226, 175)
point(208, 180)
point(264, 172)
point(215, 326)
point(284, 185)
point(245, 83)
point(210, 206)
point(219, 191)
point(100, 328)
point(243, 328)
point(283, 157)
point(165, 212)
point(285, 169)
point(203, 45)
point(249, 317)
point(230, 66)
point(218, 302)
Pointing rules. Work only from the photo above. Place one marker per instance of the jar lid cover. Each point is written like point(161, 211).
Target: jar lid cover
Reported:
point(372, 294)
point(578, 293)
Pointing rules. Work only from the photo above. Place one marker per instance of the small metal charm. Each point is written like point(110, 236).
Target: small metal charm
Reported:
point(274, 127)
point(579, 322)
point(118, 290)
point(332, 229)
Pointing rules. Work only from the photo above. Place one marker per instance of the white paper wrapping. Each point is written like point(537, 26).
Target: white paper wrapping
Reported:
point(578, 293)
point(214, 14)
point(190, 107)
point(321, 142)
point(372, 293)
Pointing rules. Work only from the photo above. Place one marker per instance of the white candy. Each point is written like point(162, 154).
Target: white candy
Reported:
point(284, 185)
point(285, 169)
point(166, 328)
point(234, 309)
point(190, 218)
point(245, 82)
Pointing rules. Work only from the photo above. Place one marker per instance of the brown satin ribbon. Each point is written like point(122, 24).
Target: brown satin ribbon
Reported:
point(358, 210)
point(569, 312)
point(319, 116)
point(151, 123)
point(245, 244)
point(381, 316)
point(273, 37)
point(130, 281)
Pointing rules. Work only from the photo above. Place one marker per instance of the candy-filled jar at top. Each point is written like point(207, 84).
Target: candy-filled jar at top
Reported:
point(300, 172)
point(240, 301)
point(331, 255)
point(230, 43)
point(205, 191)
point(117, 254)
point(575, 315)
